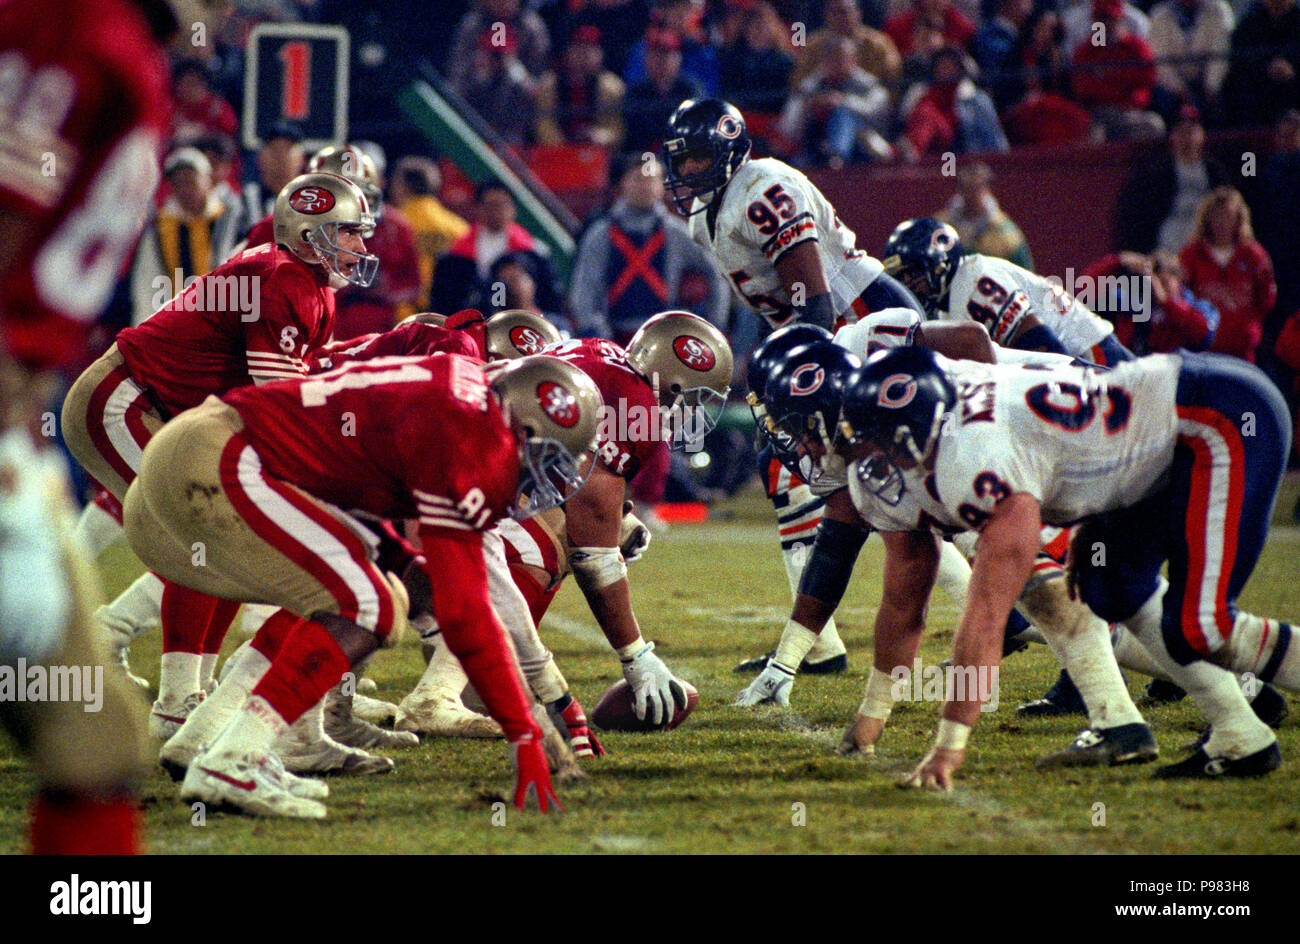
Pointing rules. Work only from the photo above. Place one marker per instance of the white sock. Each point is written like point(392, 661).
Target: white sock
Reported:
point(1253, 645)
point(954, 573)
point(251, 731)
point(1234, 730)
point(243, 670)
point(180, 676)
point(253, 615)
point(136, 608)
point(1132, 655)
point(96, 530)
point(208, 668)
point(1081, 643)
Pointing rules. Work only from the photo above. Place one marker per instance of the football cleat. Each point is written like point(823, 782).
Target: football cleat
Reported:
point(245, 783)
point(442, 715)
point(343, 726)
point(1124, 744)
point(1270, 706)
point(166, 717)
point(1061, 699)
point(1201, 766)
point(831, 666)
point(177, 755)
point(375, 710)
point(124, 660)
point(305, 748)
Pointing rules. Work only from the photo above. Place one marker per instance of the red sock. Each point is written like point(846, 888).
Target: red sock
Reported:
point(185, 616)
point(539, 600)
point(78, 824)
point(271, 636)
point(309, 664)
point(223, 615)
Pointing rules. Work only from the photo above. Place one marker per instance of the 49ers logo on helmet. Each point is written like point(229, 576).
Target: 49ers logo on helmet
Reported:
point(558, 403)
point(312, 200)
point(807, 379)
point(526, 339)
point(694, 353)
point(895, 401)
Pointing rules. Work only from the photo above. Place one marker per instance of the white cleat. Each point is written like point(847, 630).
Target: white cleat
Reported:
point(246, 783)
point(178, 754)
point(443, 716)
point(166, 717)
point(120, 642)
point(307, 750)
point(344, 727)
point(367, 686)
point(375, 710)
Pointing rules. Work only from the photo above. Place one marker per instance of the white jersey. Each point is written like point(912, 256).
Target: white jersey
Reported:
point(1078, 440)
point(994, 291)
point(896, 327)
point(767, 209)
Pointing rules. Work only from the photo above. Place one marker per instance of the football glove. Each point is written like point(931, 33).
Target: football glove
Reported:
point(655, 690)
point(772, 686)
point(533, 774)
point(573, 721)
point(635, 537)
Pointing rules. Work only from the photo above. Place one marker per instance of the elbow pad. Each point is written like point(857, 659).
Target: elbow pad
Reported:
point(830, 564)
point(596, 568)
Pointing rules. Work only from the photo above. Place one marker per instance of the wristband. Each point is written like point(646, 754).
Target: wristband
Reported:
point(632, 650)
point(878, 701)
point(816, 311)
point(952, 735)
point(796, 641)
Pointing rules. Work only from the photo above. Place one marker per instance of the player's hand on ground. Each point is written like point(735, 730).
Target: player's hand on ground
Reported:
point(656, 692)
point(533, 774)
point(860, 737)
point(936, 771)
point(771, 687)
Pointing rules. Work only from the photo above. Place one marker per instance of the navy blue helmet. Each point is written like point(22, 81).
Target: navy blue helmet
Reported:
point(897, 402)
point(923, 254)
point(803, 398)
point(703, 128)
point(773, 349)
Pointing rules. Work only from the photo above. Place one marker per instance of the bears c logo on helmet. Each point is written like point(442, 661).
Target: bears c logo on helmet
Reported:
point(558, 403)
point(694, 353)
point(728, 127)
point(807, 379)
point(312, 200)
point(887, 398)
point(526, 340)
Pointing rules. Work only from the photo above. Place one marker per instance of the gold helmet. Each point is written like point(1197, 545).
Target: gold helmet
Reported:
point(431, 317)
point(308, 214)
point(353, 163)
point(688, 362)
point(516, 333)
point(554, 409)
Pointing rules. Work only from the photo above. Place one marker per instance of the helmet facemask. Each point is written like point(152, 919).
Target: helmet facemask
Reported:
point(324, 240)
point(548, 475)
point(692, 415)
point(703, 186)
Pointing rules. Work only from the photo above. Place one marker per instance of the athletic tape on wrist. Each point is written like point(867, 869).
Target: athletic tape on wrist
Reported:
point(952, 735)
point(878, 701)
point(595, 568)
point(632, 650)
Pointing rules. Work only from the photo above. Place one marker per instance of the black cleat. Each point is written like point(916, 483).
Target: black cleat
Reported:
point(1201, 766)
point(831, 666)
point(1061, 699)
point(1124, 744)
point(1270, 706)
point(1161, 692)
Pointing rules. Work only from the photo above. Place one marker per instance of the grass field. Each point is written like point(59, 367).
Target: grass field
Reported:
point(730, 780)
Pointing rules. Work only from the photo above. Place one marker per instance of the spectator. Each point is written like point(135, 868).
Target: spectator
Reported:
point(982, 225)
point(1169, 319)
point(1080, 21)
point(635, 260)
point(222, 153)
point(928, 25)
point(1114, 75)
point(414, 190)
point(699, 57)
point(532, 42)
point(1227, 267)
point(1180, 30)
point(949, 113)
point(649, 104)
point(1278, 203)
point(581, 102)
point(462, 275)
point(279, 160)
point(1041, 53)
point(755, 67)
point(198, 108)
point(498, 87)
point(994, 49)
point(1159, 203)
point(621, 23)
point(876, 51)
point(840, 112)
point(190, 235)
point(1264, 78)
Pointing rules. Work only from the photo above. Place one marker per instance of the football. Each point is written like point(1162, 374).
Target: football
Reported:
point(614, 711)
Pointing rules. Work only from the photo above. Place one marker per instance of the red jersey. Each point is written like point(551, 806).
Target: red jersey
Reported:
point(397, 281)
point(262, 232)
point(1121, 72)
point(409, 339)
point(253, 319)
point(84, 110)
point(631, 430)
point(1244, 290)
point(397, 437)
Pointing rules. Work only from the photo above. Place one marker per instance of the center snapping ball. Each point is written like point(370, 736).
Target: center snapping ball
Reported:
point(615, 712)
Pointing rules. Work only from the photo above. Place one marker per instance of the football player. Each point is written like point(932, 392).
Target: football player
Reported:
point(1150, 457)
point(253, 319)
point(778, 241)
point(259, 479)
point(83, 116)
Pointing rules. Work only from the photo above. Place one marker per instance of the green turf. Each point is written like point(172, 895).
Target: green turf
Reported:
point(729, 779)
